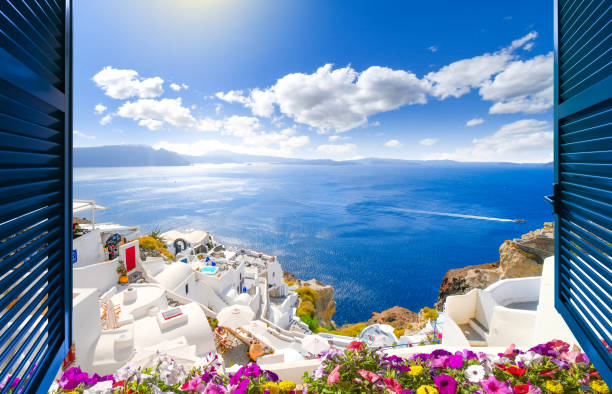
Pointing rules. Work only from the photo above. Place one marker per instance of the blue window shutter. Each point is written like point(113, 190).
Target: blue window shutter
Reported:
point(35, 191)
point(583, 174)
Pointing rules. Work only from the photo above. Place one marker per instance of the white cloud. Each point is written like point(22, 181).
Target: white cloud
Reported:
point(334, 99)
point(529, 46)
point(241, 126)
point(233, 96)
point(335, 150)
point(175, 87)
point(153, 113)
point(185, 86)
point(428, 141)
point(433, 48)
point(218, 108)
point(208, 124)
point(336, 138)
point(393, 144)
point(106, 119)
point(526, 140)
point(278, 144)
point(474, 122)
point(123, 84)
point(458, 78)
point(261, 102)
point(151, 124)
point(77, 133)
point(524, 86)
point(99, 109)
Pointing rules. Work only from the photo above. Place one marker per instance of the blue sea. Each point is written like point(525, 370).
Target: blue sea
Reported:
point(382, 234)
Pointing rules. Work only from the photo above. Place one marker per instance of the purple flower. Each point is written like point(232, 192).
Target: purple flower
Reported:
point(545, 350)
point(235, 378)
point(421, 356)
point(271, 376)
point(440, 352)
point(446, 384)
point(440, 362)
point(468, 354)
point(561, 363)
point(455, 362)
point(72, 377)
point(252, 369)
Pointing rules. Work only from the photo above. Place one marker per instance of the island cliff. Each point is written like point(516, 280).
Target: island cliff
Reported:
point(522, 257)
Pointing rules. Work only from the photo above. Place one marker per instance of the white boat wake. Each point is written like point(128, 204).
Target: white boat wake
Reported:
point(455, 215)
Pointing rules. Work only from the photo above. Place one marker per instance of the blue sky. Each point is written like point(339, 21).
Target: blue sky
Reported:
point(317, 79)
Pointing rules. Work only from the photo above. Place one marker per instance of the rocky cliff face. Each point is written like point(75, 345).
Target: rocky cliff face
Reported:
point(397, 317)
point(517, 259)
point(324, 305)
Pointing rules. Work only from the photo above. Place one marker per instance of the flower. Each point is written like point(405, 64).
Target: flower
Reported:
point(534, 390)
point(355, 345)
point(194, 384)
point(393, 385)
point(286, 385)
point(516, 371)
point(455, 361)
point(440, 362)
point(271, 376)
point(446, 384)
point(493, 386)
point(554, 386)
point(474, 373)
point(548, 373)
point(521, 389)
point(334, 375)
point(273, 387)
point(528, 358)
point(369, 376)
point(600, 386)
point(415, 370)
point(426, 389)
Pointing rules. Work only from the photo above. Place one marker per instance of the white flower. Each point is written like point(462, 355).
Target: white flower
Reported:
point(528, 358)
point(475, 373)
point(105, 387)
point(170, 372)
point(126, 372)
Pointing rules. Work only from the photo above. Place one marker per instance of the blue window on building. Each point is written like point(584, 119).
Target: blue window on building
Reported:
point(35, 191)
point(583, 174)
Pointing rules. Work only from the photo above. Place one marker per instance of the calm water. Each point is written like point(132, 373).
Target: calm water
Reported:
point(378, 233)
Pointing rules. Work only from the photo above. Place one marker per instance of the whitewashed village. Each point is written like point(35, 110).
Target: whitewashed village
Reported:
point(132, 303)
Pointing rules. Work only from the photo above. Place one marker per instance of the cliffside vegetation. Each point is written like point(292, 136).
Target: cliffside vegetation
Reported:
point(150, 244)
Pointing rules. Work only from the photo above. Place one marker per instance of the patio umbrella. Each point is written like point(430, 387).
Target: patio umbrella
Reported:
point(315, 344)
point(235, 316)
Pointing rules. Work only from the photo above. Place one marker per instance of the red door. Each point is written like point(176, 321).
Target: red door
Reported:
point(130, 258)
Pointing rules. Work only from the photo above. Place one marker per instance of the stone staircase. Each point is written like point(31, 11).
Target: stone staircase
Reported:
point(475, 332)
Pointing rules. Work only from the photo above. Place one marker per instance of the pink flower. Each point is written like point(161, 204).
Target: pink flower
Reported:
point(510, 351)
point(393, 385)
point(446, 384)
point(573, 357)
point(370, 376)
point(194, 384)
point(334, 375)
point(440, 362)
point(493, 386)
point(455, 361)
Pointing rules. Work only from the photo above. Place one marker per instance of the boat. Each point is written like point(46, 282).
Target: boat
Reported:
point(519, 220)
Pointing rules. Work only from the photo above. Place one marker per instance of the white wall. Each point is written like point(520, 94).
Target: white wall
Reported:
point(511, 326)
point(86, 326)
point(452, 334)
point(89, 249)
point(461, 308)
point(275, 273)
point(100, 276)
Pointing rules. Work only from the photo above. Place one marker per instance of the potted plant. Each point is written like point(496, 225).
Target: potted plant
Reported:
point(122, 271)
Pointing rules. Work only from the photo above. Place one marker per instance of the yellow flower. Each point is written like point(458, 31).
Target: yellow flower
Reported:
point(415, 370)
point(426, 389)
point(286, 385)
point(600, 386)
point(554, 386)
point(273, 387)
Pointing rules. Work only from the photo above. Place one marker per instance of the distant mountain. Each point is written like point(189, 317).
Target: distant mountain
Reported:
point(143, 155)
point(126, 156)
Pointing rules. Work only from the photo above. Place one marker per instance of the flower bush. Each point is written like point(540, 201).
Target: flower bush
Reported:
point(548, 368)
